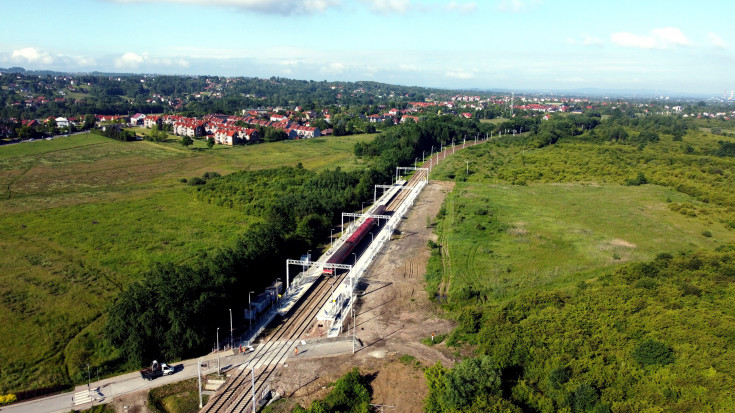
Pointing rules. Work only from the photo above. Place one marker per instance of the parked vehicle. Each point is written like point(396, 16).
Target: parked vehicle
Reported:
point(156, 370)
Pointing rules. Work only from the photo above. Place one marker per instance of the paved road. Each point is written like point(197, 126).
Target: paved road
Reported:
point(106, 390)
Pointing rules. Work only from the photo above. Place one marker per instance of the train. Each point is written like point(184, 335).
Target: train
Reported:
point(346, 249)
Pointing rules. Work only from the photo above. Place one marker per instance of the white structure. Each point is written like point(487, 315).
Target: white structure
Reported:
point(62, 122)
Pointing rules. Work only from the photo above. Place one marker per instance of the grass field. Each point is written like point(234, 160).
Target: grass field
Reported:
point(506, 240)
point(84, 215)
point(527, 218)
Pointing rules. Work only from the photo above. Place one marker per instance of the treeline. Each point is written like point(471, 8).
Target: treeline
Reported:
point(411, 141)
point(169, 313)
point(116, 134)
point(649, 335)
point(120, 94)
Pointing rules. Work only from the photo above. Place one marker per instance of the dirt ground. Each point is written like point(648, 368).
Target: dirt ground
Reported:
point(393, 315)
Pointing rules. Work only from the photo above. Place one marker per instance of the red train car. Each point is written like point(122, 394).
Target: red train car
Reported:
point(346, 249)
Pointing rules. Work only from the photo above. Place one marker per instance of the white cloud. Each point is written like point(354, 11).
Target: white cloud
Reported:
point(84, 61)
point(283, 7)
point(131, 60)
point(388, 6)
point(587, 40)
point(662, 38)
point(31, 55)
point(459, 74)
point(335, 68)
point(716, 41)
point(514, 6)
point(461, 7)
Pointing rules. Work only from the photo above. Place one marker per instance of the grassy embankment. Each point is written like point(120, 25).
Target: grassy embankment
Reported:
point(84, 215)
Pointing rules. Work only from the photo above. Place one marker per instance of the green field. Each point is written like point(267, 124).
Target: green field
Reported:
point(561, 213)
point(506, 240)
point(588, 275)
point(84, 215)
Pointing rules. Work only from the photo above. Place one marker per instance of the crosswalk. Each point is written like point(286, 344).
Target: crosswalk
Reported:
point(266, 356)
point(82, 397)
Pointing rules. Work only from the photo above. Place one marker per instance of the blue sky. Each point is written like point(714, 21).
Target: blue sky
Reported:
point(667, 46)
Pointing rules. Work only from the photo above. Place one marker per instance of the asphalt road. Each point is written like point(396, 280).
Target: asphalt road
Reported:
point(108, 389)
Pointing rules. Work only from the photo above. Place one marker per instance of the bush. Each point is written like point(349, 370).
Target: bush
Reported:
point(559, 376)
point(196, 181)
point(470, 320)
point(651, 352)
point(707, 234)
point(583, 398)
point(7, 399)
point(640, 179)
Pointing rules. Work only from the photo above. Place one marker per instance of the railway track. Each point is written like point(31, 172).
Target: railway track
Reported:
point(235, 397)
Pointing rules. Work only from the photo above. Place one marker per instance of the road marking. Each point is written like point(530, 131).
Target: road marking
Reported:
point(82, 397)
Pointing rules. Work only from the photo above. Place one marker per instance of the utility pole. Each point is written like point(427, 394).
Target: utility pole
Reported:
point(199, 374)
point(252, 386)
point(250, 310)
point(218, 351)
point(232, 338)
point(354, 325)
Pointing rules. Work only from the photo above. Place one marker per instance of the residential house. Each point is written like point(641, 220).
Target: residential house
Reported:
point(137, 119)
point(62, 122)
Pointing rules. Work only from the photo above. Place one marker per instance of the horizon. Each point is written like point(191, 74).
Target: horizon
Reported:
point(522, 45)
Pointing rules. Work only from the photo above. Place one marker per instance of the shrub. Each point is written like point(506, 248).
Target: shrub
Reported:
point(559, 376)
point(707, 234)
point(583, 398)
point(7, 399)
point(651, 352)
point(640, 179)
point(196, 181)
point(470, 320)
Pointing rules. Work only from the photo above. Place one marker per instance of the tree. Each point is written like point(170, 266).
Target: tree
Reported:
point(187, 141)
point(652, 352)
point(210, 143)
point(89, 122)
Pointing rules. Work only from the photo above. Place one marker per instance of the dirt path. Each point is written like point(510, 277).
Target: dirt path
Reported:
point(393, 315)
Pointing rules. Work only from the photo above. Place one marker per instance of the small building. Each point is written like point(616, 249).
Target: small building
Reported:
point(62, 122)
point(137, 119)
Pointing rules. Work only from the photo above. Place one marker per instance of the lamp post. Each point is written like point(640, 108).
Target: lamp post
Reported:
point(218, 351)
point(250, 310)
point(232, 338)
point(423, 156)
point(199, 374)
point(331, 237)
point(89, 380)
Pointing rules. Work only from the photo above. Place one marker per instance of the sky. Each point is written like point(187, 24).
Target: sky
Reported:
point(661, 46)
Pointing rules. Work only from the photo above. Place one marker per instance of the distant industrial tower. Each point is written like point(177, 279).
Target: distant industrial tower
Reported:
point(731, 94)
